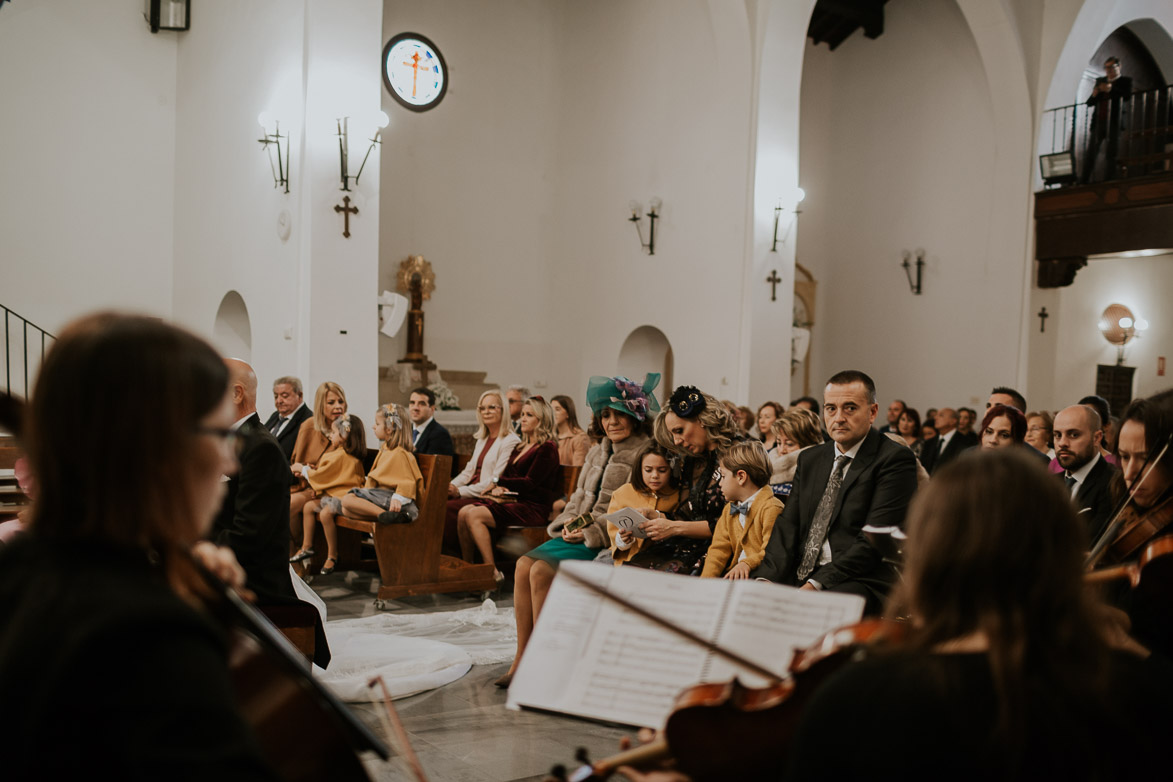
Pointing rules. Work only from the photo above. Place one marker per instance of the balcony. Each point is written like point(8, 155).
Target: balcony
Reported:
point(1108, 183)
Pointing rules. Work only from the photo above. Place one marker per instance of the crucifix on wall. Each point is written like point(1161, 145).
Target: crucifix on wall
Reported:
point(773, 279)
point(347, 210)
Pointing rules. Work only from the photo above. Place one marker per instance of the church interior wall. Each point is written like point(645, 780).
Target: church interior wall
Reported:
point(470, 185)
point(906, 159)
point(1143, 285)
point(87, 164)
point(234, 64)
point(517, 187)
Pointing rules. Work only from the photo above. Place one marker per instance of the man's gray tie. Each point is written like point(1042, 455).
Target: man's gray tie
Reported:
point(818, 531)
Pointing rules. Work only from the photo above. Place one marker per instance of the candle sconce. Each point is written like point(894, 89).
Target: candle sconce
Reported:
point(653, 214)
point(907, 266)
point(269, 140)
point(380, 122)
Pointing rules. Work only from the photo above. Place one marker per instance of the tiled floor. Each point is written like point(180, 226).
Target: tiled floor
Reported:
point(463, 731)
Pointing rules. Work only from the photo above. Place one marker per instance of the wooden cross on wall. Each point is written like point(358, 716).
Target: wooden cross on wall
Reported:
point(347, 210)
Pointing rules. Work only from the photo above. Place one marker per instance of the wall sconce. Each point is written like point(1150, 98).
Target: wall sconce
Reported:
point(1119, 326)
point(269, 140)
point(920, 265)
point(653, 214)
point(799, 194)
point(167, 14)
point(380, 122)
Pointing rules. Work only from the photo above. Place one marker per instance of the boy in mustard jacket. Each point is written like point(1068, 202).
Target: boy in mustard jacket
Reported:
point(739, 539)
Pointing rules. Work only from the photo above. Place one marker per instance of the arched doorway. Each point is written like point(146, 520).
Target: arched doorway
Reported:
point(232, 334)
point(647, 350)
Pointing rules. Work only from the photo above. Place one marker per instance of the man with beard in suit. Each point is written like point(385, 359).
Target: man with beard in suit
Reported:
point(1078, 434)
point(860, 478)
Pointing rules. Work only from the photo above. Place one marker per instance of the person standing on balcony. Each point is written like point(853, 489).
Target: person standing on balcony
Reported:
point(1109, 115)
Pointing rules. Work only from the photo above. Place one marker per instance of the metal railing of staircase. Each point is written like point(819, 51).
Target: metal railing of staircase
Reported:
point(18, 327)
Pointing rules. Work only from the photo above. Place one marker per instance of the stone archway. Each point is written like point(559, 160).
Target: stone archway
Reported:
point(232, 332)
point(647, 349)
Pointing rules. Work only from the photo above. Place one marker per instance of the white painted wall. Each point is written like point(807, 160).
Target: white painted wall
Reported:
point(1074, 345)
point(305, 65)
point(471, 186)
point(903, 155)
point(87, 144)
point(517, 186)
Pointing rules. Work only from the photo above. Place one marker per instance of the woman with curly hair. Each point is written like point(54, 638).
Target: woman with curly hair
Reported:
point(698, 429)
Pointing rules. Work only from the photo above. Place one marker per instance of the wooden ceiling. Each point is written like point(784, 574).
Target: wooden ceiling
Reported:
point(833, 21)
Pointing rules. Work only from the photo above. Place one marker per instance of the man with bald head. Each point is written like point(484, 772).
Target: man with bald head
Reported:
point(947, 445)
point(1087, 474)
point(254, 519)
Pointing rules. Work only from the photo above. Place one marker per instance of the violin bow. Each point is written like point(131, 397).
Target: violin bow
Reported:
point(396, 733)
point(1113, 528)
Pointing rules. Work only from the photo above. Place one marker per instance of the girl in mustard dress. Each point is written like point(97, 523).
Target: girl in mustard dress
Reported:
point(339, 470)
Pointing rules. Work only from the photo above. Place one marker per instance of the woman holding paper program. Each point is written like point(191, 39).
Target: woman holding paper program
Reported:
point(621, 411)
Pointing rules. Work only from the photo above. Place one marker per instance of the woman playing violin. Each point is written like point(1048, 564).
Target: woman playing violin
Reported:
point(107, 662)
point(1145, 429)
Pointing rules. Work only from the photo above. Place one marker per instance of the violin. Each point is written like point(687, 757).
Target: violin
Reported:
point(1155, 565)
point(304, 731)
point(696, 734)
point(1138, 527)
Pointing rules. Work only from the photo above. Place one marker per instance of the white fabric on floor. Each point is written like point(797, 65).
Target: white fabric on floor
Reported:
point(415, 652)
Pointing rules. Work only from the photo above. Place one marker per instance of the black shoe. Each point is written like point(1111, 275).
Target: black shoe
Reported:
point(328, 568)
point(393, 517)
point(304, 553)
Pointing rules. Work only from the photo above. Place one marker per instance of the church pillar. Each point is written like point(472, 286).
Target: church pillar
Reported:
point(338, 316)
point(767, 319)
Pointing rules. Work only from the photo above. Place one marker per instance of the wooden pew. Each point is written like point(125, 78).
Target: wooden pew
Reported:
point(408, 556)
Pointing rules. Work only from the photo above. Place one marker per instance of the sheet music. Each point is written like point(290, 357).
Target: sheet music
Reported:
point(768, 622)
point(590, 657)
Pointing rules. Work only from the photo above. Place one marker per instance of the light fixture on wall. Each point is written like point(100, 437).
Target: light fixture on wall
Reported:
point(653, 214)
point(379, 122)
point(167, 14)
point(1058, 168)
point(907, 265)
point(279, 166)
point(1120, 326)
point(796, 199)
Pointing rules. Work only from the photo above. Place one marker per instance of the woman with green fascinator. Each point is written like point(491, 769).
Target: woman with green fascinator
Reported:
point(622, 415)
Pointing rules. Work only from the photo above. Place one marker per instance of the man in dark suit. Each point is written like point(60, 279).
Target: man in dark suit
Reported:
point(859, 478)
point(948, 444)
point(254, 519)
point(290, 413)
point(427, 435)
point(1109, 108)
point(1078, 434)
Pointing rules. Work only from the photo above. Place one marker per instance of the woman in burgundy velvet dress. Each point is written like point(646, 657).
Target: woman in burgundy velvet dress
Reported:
point(524, 493)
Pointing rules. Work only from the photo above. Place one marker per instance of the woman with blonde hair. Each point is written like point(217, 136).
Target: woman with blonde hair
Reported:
point(797, 430)
point(524, 493)
point(697, 428)
point(495, 441)
point(313, 440)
